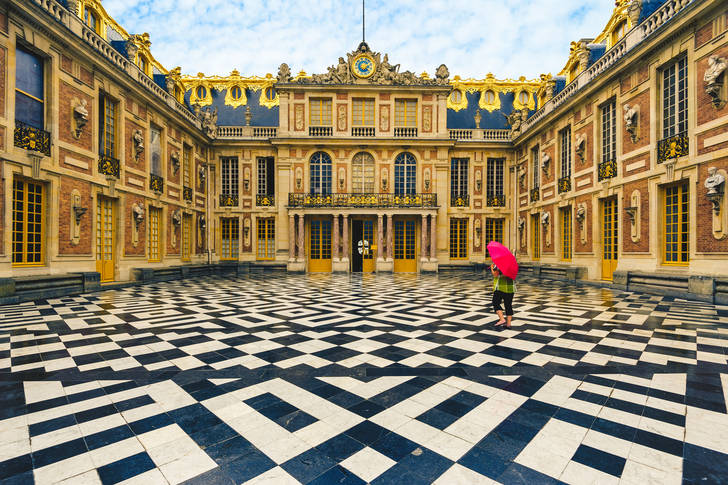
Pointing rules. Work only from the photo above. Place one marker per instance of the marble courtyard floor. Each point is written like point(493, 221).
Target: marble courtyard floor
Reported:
point(352, 379)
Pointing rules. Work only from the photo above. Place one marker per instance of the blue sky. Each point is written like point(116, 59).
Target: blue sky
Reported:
point(509, 38)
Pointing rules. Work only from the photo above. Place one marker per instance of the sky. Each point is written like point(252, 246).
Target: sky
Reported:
point(510, 38)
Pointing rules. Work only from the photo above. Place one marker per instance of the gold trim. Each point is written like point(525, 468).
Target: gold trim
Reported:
point(372, 70)
point(226, 83)
point(497, 86)
point(457, 106)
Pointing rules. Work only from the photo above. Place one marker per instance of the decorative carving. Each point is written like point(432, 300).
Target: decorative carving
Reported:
point(426, 179)
point(248, 116)
point(580, 147)
point(298, 123)
point(545, 221)
point(341, 117)
point(581, 221)
point(246, 232)
point(442, 75)
point(138, 139)
point(177, 217)
point(76, 213)
point(80, 117)
point(174, 157)
point(299, 178)
point(477, 228)
point(384, 118)
point(385, 179)
point(209, 122)
point(201, 173)
point(514, 122)
point(284, 73)
point(427, 118)
point(522, 231)
point(477, 118)
point(633, 212)
point(715, 184)
point(545, 162)
point(246, 179)
point(631, 117)
point(342, 179)
point(478, 180)
point(201, 226)
point(714, 79)
point(137, 211)
point(173, 77)
point(131, 49)
point(633, 11)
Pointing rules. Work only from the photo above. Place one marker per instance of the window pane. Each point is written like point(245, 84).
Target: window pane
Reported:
point(156, 151)
point(28, 110)
point(29, 73)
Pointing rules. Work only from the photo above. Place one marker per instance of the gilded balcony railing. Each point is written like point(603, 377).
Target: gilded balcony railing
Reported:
point(228, 200)
point(265, 200)
point(362, 200)
point(460, 201)
point(564, 184)
point(673, 147)
point(109, 166)
point(535, 194)
point(187, 193)
point(606, 170)
point(32, 138)
point(497, 200)
point(156, 183)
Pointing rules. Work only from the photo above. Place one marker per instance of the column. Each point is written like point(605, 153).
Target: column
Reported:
point(390, 237)
point(301, 255)
point(423, 234)
point(335, 244)
point(433, 237)
point(291, 237)
point(380, 231)
point(345, 237)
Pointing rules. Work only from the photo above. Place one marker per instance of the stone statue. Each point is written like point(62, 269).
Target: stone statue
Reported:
point(137, 211)
point(442, 75)
point(630, 121)
point(545, 217)
point(340, 73)
point(386, 73)
point(201, 175)
point(284, 73)
point(209, 122)
point(579, 146)
point(80, 116)
point(514, 121)
point(521, 223)
point(634, 10)
point(172, 79)
point(177, 217)
point(580, 214)
point(712, 78)
point(174, 157)
point(138, 139)
point(714, 181)
point(131, 50)
point(201, 223)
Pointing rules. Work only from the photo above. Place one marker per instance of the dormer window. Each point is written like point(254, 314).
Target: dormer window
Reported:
point(523, 97)
point(201, 92)
point(91, 19)
point(143, 65)
point(619, 31)
point(236, 92)
point(456, 96)
point(489, 97)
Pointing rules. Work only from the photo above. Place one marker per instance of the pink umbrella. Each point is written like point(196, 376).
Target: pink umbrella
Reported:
point(504, 259)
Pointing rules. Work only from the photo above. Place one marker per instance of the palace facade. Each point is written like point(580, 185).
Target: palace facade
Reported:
point(110, 162)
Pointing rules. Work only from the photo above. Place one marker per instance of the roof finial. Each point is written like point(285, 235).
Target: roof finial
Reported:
point(363, 38)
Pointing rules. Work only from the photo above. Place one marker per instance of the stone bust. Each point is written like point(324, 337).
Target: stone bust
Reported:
point(630, 116)
point(716, 67)
point(138, 139)
point(714, 180)
point(138, 212)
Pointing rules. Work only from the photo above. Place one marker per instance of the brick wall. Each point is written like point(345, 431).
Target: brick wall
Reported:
point(173, 230)
point(548, 177)
point(643, 122)
point(3, 181)
point(68, 96)
point(587, 131)
point(578, 246)
point(548, 231)
point(643, 245)
point(704, 217)
point(706, 110)
point(126, 218)
point(66, 156)
point(68, 185)
point(131, 160)
point(3, 58)
point(175, 178)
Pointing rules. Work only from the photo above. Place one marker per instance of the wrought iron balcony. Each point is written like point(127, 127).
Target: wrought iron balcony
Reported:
point(673, 147)
point(535, 194)
point(156, 183)
point(265, 200)
point(497, 200)
point(109, 166)
point(606, 170)
point(228, 200)
point(187, 193)
point(460, 201)
point(564, 184)
point(362, 131)
point(362, 200)
point(32, 138)
point(320, 131)
point(405, 132)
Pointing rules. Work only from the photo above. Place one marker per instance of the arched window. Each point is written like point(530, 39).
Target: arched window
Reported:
point(619, 31)
point(523, 97)
point(320, 173)
point(362, 176)
point(405, 173)
point(489, 97)
point(144, 65)
point(236, 92)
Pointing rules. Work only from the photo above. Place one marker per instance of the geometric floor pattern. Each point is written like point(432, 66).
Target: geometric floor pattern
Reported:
point(351, 379)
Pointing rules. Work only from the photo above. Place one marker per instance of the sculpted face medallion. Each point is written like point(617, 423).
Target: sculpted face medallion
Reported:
point(363, 66)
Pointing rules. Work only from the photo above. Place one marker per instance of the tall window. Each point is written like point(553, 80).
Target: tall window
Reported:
point(266, 238)
point(187, 166)
point(320, 111)
point(458, 177)
point(229, 238)
point(609, 131)
point(405, 113)
point(186, 237)
point(536, 237)
point(320, 173)
point(458, 238)
point(566, 234)
point(107, 130)
point(143, 64)
point(535, 160)
point(565, 143)
point(362, 112)
point(229, 174)
point(675, 98)
point(494, 179)
point(266, 176)
point(677, 224)
point(405, 173)
point(362, 168)
point(29, 89)
point(28, 244)
point(493, 232)
point(155, 147)
point(155, 240)
point(91, 19)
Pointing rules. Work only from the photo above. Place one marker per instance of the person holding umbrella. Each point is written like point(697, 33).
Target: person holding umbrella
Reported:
point(505, 270)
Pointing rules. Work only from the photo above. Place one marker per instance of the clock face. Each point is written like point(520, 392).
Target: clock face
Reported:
point(363, 66)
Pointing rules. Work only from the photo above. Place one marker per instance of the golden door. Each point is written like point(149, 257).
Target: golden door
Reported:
point(536, 237)
point(405, 246)
point(369, 256)
point(610, 237)
point(186, 237)
point(105, 238)
point(319, 246)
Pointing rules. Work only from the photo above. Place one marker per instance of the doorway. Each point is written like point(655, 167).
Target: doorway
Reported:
point(610, 235)
point(405, 246)
point(319, 247)
point(105, 237)
point(363, 247)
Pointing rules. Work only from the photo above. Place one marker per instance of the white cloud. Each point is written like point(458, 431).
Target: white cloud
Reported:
point(509, 38)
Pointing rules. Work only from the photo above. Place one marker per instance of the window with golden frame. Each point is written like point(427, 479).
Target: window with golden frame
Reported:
point(566, 234)
point(320, 111)
point(155, 239)
point(362, 112)
point(107, 131)
point(187, 166)
point(91, 19)
point(28, 223)
point(229, 238)
point(536, 237)
point(493, 232)
point(676, 209)
point(405, 113)
point(618, 32)
point(186, 237)
point(266, 238)
point(458, 238)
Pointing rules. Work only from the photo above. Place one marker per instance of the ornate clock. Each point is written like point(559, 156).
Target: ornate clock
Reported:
point(363, 66)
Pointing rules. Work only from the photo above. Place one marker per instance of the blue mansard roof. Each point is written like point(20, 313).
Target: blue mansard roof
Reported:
point(229, 116)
